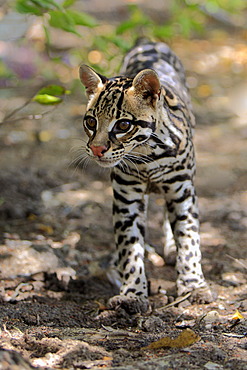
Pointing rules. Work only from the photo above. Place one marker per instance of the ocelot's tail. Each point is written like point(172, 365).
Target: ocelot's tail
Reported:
point(142, 40)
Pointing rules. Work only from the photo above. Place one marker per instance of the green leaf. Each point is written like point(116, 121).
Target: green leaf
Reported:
point(47, 35)
point(165, 32)
point(23, 6)
point(51, 2)
point(37, 7)
point(62, 20)
point(120, 42)
point(52, 90)
point(51, 94)
point(47, 99)
point(185, 26)
point(101, 43)
point(43, 4)
point(125, 26)
point(81, 18)
point(68, 3)
point(137, 19)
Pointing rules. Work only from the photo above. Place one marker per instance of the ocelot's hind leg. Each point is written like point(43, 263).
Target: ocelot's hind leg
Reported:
point(170, 249)
point(184, 219)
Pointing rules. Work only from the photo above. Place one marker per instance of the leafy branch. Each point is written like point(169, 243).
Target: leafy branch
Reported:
point(59, 16)
point(185, 18)
point(48, 95)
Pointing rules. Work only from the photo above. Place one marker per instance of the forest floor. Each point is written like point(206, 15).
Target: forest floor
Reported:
point(57, 239)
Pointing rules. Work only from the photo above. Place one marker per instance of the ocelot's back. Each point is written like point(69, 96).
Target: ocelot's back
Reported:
point(161, 58)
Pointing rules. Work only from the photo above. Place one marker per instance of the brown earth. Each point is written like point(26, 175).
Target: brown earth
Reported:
point(57, 240)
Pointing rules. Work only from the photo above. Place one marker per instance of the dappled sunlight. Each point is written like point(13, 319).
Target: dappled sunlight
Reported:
point(57, 247)
point(77, 197)
point(210, 235)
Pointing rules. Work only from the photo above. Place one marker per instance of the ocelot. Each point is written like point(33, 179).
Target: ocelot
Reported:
point(141, 124)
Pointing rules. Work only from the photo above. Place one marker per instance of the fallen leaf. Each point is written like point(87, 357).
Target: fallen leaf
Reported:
point(32, 217)
point(46, 229)
point(107, 358)
point(101, 307)
point(237, 316)
point(186, 338)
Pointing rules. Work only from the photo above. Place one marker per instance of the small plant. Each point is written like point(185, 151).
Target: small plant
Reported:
point(56, 15)
point(184, 18)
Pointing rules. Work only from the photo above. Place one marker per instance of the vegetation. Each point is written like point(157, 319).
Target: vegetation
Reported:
point(104, 45)
point(185, 18)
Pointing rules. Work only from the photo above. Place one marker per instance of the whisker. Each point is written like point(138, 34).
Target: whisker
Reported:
point(77, 160)
point(86, 162)
point(80, 140)
point(146, 145)
point(125, 166)
point(140, 157)
point(131, 161)
point(80, 162)
point(78, 147)
point(122, 165)
point(136, 158)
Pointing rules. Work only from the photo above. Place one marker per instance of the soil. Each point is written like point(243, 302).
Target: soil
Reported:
point(57, 242)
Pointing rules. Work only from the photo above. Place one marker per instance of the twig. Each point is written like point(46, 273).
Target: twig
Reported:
point(238, 261)
point(30, 116)
point(16, 292)
point(177, 301)
point(15, 111)
point(233, 335)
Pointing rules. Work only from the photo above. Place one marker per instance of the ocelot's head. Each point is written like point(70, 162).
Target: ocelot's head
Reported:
point(121, 114)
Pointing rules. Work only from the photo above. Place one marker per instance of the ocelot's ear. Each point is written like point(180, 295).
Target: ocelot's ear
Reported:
point(90, 79)
point(147, 85)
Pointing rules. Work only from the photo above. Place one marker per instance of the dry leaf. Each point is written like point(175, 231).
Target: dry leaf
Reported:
point(237, 316)
point(186, 338)
point(46, 229)
point(101, 307)
point(107, 358)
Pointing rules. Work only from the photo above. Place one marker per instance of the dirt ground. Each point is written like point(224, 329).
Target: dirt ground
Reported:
point(57, 239)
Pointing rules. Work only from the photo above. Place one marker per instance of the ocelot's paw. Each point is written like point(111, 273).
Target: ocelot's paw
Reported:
point(131, 305)
point(202, 295)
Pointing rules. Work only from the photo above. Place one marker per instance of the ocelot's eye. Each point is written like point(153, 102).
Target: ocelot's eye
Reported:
point(90, 123)
point(122, 126)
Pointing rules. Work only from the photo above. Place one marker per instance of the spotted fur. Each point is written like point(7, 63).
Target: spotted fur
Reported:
point(141, 124)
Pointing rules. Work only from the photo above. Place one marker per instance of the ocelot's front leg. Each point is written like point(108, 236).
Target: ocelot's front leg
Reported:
point(184, 218)
point(129, 216)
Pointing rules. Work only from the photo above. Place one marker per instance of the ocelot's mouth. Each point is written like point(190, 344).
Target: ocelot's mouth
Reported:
point(104, 162)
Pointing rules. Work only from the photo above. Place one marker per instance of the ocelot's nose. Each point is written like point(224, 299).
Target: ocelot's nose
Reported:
point(98, 150)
